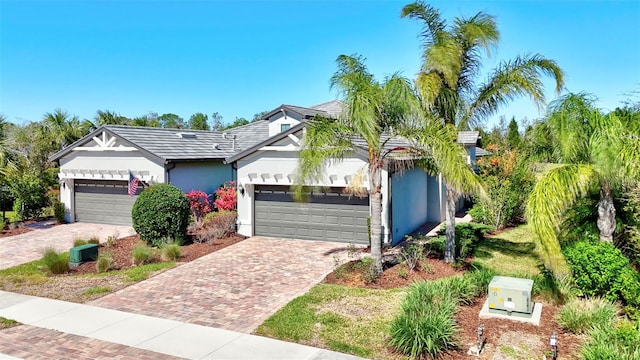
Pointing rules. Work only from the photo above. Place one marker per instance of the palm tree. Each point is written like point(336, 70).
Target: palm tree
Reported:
point(373, 113)
point(61, 128)
point(452, 57)
point(594, 151)
point(106, 117)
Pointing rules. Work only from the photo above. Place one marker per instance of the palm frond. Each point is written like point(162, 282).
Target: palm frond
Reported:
point(572, 119)
point(475, 34)
point(430, 17)
point(325, 140)
point(510, 80)
point(556, 191)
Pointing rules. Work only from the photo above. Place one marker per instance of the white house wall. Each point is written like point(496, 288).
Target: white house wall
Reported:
point(271, 167)
point(204, 176)
point(409, 199)
point(111, 160)
point(282, 118)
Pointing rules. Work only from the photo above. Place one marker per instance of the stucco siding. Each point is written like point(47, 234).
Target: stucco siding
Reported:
point(436, 194)
point(204, 176)
point(279, 119)
point(409, 202)
point(112, 160)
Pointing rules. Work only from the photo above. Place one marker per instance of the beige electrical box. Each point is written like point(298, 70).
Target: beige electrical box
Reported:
point(510, 294)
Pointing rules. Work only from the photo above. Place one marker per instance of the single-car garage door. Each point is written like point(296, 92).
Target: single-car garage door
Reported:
point(103, 202)
point(329, 215)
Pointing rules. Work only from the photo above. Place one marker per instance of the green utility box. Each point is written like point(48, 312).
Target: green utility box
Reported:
point(510, 294)
point(82, 253)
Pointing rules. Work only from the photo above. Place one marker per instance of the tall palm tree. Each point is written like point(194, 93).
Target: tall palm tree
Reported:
point(61, 128)
point(447, 81)
point(594, 151)
point(373, 113)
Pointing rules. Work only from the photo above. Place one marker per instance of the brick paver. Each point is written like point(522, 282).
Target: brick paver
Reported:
point(235, 288)
point(30, 342)
point(19, 249)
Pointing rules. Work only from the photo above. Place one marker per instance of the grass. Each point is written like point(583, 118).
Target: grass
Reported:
point(339, 318)
point(137, 273)
point(510, 253)
point(97, 290)
point(11, 215)
point(581, 315)
point(7, 323)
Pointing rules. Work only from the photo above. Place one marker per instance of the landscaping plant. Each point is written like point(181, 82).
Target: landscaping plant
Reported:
point(226, 196)
point(104, 262)
point(170, 252)
point(607, 342)
point(58, 211)
point(161, 210)
point(199, 204)
point(582, 315)
point(142, 254)
point(56, 263)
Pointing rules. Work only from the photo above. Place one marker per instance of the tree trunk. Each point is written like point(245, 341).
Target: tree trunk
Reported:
point(450, 243)
point(376, 234)
point(375, 192)
point(606, 214)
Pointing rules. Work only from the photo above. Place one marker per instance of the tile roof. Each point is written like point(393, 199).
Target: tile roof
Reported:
point(168, 145)
point(468, 137)
point(332, 108)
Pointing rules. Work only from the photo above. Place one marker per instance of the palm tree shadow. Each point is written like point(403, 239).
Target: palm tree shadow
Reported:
point(490, 245)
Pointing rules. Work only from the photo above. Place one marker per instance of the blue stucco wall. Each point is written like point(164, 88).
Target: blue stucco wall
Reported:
point(408, 202)
point(205, 176)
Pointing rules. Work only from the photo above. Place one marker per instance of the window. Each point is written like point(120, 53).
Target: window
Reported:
point(284, 127)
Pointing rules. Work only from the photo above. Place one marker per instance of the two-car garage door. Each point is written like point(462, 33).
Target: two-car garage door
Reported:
point(329, 215)
point(103, 202)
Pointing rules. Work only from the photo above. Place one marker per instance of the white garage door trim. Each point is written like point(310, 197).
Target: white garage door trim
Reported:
point(329, 215)
point(103, 202)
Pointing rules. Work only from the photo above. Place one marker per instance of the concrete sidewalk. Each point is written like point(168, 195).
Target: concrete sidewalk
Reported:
point(163, 336)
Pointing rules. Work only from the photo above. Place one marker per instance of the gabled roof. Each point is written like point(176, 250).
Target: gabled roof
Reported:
point(167, 144)
point(329, 109)
point(480, 152)
point(469, 137)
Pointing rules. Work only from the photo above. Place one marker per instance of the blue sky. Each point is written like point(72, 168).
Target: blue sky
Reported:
point(242, 57)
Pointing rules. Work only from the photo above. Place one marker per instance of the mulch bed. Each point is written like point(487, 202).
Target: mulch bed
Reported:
point(122, 248)
point(499, 333)
point(6, 232)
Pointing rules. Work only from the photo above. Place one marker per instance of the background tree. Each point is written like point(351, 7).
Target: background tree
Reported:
point(237, 122)
point(513, 135)
point(106, 117)
point(218, 125)
point(259, 116)
point(172, 121)
point(452, 58)
point(373, 112)
point(594, 151)
point(199, 121)
point(150, 120)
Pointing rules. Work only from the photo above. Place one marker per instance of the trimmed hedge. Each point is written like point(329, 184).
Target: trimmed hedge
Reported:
point(161, 211)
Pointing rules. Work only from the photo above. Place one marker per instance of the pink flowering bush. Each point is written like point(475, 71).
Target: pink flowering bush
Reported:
point(226, 196)
point(199, 204)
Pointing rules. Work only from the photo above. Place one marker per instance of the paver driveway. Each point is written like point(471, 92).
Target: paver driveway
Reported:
point(19, 249)
point(235, 288)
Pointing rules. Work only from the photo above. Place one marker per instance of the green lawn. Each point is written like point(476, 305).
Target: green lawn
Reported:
point(11, 215)
point(339, 318)
point(510, 253)
point(357, 321)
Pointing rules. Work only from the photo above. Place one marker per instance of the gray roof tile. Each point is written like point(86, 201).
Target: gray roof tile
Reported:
point(468, 137)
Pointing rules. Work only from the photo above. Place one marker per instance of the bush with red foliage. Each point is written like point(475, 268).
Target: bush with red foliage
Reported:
point(199, 203)
point(226, 196)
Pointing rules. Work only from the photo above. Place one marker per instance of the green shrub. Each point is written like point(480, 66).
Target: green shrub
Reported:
point(467, 237)
point(104, 262)
point(56, 263)
point(142, 254)
point(426, 323)
point(411, 254)
point(79, 242)
point(170, 252)
point(160, 211)
point(30, 192)
point(581, 315)
point(58, 211)
point(94, 240)
point(600, 269)
point(612, 343)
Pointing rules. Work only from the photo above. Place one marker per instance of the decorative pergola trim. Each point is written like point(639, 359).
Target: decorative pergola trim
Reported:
point(104, 174)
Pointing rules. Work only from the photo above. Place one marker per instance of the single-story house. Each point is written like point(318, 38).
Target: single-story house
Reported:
point(94, 171)
point(266, 172)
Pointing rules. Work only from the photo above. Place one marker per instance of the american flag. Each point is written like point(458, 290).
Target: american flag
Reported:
point(133, 184)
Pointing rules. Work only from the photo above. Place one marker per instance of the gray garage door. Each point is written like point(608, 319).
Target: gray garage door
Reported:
point(104, 202)
point(329, 215)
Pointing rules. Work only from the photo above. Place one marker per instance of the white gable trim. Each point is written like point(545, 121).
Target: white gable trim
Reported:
point(104, 175)
point(104, 143)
